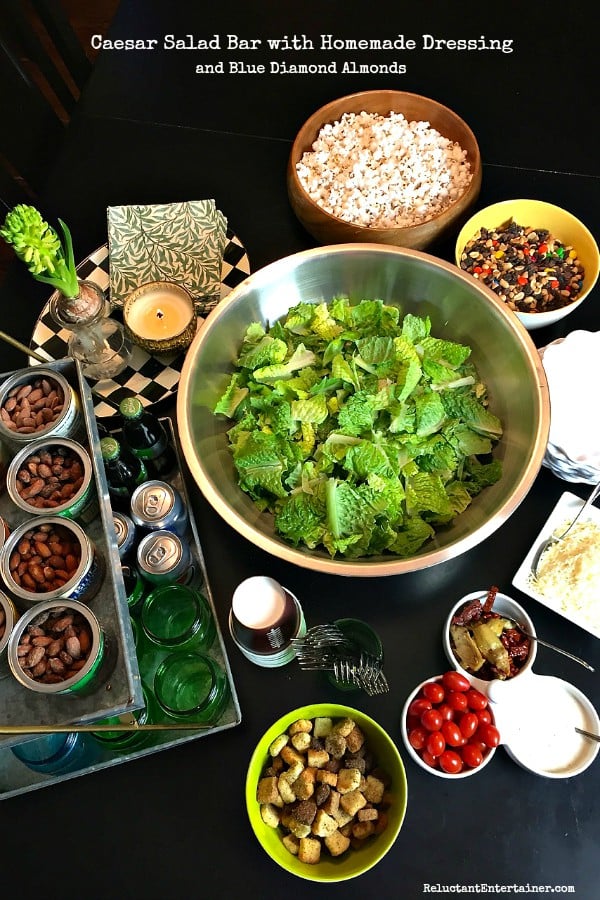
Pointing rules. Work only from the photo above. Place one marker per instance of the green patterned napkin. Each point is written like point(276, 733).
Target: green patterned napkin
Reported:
point(181, 242)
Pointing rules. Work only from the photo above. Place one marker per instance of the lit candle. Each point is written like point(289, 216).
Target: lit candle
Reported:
point(161, 315)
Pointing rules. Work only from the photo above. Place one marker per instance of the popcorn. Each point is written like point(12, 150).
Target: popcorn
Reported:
point(383, 171)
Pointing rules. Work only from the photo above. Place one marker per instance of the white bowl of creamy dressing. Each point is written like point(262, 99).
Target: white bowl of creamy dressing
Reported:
point(537, 718)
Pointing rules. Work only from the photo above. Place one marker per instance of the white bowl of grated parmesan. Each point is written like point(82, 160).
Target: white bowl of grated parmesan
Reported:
point(568, 572)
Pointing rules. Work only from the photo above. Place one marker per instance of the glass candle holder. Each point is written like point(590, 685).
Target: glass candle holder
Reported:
point(125, 741)
point(190, 686)
point(160, 316)
point(56, 754)
point(173, 617)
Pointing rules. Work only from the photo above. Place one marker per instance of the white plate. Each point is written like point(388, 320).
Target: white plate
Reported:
point(565, 509)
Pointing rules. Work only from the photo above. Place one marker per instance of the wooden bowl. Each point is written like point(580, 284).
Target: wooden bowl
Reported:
point(330, 229)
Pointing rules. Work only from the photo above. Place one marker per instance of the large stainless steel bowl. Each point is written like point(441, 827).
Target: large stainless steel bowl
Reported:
point(460, 309)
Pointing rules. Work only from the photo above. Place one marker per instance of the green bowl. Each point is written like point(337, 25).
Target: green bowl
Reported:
point(353, 862)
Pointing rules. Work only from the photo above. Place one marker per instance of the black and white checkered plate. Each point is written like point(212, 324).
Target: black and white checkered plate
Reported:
point(151, 378)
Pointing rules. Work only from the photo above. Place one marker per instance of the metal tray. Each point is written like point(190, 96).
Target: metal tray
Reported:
point(122, 692)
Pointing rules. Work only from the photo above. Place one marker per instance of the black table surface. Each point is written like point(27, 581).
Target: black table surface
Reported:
point(151, 130)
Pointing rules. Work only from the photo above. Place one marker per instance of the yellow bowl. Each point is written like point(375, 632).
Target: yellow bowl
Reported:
point(560, 223)
point(353, 862)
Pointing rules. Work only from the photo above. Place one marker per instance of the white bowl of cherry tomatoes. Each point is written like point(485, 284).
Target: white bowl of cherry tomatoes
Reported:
point(448, 727)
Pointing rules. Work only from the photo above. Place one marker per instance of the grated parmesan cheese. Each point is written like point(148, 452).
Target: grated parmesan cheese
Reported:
point(569, 572)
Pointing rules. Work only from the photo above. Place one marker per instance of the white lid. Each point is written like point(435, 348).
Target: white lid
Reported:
point(536, 716)
point(258, 602)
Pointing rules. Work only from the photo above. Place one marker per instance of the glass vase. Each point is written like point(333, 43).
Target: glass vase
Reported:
point(96, 339)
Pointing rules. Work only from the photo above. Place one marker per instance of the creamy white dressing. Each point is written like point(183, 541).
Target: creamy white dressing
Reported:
point(543, 737)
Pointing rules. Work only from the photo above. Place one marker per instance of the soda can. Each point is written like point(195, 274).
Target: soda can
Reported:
point(158, 506)
point(162, 558)
point(125, 532)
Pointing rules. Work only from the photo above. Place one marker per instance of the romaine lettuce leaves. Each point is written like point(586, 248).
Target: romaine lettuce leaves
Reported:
point(359, 430)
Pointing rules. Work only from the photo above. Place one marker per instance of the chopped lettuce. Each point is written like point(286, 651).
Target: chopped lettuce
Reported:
point(357, 429)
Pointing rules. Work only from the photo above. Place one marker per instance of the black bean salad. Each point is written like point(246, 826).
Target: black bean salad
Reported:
point(528, 268)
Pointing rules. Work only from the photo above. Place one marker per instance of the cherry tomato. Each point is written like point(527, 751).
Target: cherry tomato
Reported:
point(484, 716)
point(417, 737)
point(446, 712)
point(436, 743)
point(429, 760)
point(475, 699)
point(450, 762)
point(418, 706)
point(457, 701)
point(434, 691)
point(468, 724)
point(452, 734)
point(471, 755)
point(489, 735)
point(431, 720)
point(454, 681)
point(480, 745)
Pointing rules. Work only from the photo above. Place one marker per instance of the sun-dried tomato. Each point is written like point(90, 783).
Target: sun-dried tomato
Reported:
point(489, 600)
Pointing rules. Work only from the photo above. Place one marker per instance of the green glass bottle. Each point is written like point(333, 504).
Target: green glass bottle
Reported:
point(145, 436)
point(123, 472)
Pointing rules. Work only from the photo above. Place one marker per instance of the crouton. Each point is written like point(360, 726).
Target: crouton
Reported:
point(322, 726)
point(304, 785)
point(270, 815)
point(342, 817)
point(382, 822)
point(305, 812)
point(278, 744)
point(348, 780)
point(352, 802)
point(266, 790)
point(336, 843)
point(317, 758)
point(322, 792)
point(299, 829)
point(344, 726)
point(301, 741)
point(300, 726)
point(367, 814)
point(309, 850)
point(291, 843)
point(291, 756)
point(326, 777)
point(323, 824)
point(374, 789)
point(335, 745)
point(355, 739)
point(284, 786)
point(332, 804)
point(362, 830)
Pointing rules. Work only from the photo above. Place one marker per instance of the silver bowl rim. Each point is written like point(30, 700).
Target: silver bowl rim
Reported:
point(377, 566)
